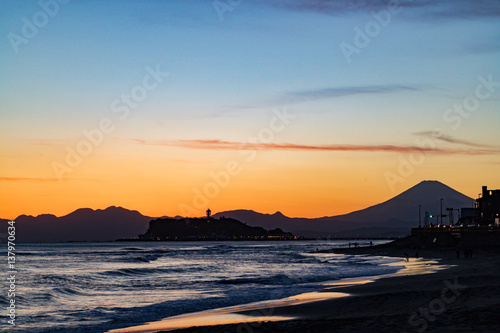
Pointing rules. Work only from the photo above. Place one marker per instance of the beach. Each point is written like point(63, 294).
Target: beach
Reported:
point(460, 295)
point(99, 287)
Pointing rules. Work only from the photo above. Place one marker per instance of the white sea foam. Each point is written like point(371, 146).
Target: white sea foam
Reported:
point(89, 287)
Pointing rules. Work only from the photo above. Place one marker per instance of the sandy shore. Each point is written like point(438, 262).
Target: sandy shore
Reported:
point(460, 295)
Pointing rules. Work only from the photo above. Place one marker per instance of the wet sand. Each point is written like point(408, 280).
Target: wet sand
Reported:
point(460, 295)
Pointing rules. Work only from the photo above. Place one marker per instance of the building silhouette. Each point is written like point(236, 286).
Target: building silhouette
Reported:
point(467, 216)
point(488, 207)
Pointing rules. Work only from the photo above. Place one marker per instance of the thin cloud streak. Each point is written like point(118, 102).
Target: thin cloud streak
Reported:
point(45, 180)
point(22, 179)
point(300, 96)
point(231, 145)
point(453, 140)
point(308, 95)
point(461, 9)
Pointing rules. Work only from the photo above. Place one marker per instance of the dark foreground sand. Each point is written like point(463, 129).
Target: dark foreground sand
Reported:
point(461, 298)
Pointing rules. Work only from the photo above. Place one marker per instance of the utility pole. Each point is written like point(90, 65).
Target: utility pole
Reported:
point(442, 211)
point(420, 216)
point(451, 218)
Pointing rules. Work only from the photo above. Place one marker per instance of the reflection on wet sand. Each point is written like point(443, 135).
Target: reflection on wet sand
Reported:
point(231, 315)
point(263, 311)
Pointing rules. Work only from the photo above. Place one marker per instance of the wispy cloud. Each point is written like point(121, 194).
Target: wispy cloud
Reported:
point(189, 161)
point(462, 9)
point(436, 8)
point(308, 95)
point(453, 140)
point(45, 180)
point(300, 96)
point(336, 6)
point(27, 179)
point(232, 145)
point(484, 46)
point(48, 142)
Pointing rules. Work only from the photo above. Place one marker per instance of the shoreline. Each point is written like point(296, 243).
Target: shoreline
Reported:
point(305, 310)
point(463, 297)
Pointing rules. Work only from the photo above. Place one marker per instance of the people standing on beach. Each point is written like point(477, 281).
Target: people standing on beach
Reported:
point(371, 243)
point(468, 253)
point(407, 257)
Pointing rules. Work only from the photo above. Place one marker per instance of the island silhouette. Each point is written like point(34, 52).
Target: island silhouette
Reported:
point(209, 229)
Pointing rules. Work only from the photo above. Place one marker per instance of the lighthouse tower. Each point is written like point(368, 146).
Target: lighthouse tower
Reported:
point(208, 213)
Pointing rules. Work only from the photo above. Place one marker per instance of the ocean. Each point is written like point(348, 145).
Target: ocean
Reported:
point(95, 287)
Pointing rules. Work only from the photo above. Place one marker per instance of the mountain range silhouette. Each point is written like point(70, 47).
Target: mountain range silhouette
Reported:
point(394, 217)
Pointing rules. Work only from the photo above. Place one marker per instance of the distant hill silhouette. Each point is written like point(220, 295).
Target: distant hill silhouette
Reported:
point(208, 229)
point(81, 225)
point(393, 217)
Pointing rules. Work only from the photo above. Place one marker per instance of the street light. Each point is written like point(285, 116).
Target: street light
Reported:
point(442, 211)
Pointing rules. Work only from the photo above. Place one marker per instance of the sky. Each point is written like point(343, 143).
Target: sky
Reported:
point(308, 107)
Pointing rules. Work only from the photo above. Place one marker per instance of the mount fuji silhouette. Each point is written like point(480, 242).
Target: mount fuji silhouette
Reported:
point(392, 218)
